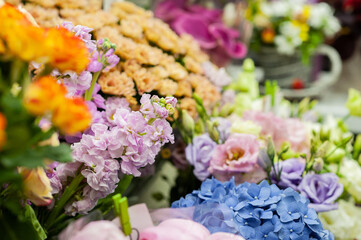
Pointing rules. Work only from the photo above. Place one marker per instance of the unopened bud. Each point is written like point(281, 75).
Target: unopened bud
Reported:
point(226, 110)
point(336, 156)
point(212, 130)
point(357, 147)
point(188, 122)
point(106, 44)
point(318, 165)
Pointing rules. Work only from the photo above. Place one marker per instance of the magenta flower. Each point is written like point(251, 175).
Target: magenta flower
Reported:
point(206, 27)
point(237, 157)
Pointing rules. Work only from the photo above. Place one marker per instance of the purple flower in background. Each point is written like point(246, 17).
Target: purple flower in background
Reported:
point(322, 190)
point(206, 27)
point(291, 173)
point(199, 154)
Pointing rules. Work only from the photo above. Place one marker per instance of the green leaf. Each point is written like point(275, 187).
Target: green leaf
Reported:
point(9, 175)
point(13, 228)
point(31, 217)
point(34, 157)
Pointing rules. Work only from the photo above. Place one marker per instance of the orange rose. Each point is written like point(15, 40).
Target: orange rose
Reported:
point(36, 186)
point(2, 130)
point(20, 36)
point(55, 46)
point(66, 51)
point(44, 95)
point(72, 116)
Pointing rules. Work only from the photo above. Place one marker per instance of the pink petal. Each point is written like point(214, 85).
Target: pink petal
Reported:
point(226, 38)
point(210, 15)
point(170, 9)
point(197, 27)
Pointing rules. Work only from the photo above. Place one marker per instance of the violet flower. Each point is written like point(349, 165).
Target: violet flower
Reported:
point(322, 190)
point(290, 171)
point(199, 154)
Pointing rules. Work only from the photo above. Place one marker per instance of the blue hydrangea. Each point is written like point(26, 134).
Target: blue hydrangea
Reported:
point(254, 211)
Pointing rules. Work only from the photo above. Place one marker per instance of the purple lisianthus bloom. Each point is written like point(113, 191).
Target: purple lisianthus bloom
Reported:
point(291, 173)
point(199, 154)
point(322, 190)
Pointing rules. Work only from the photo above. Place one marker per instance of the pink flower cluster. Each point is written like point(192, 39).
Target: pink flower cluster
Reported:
point(281, 130)
point(124, 142)
point(205, 25)
point(101, 54)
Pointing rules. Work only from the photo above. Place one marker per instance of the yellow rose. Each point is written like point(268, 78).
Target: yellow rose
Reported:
point(36, 186)
point(354, 102)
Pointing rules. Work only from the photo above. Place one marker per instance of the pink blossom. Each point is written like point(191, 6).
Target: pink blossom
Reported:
point(237, 157)
point(281, 130)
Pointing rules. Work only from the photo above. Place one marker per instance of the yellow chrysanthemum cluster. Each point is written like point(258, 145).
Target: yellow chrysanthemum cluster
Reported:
point(153, 57)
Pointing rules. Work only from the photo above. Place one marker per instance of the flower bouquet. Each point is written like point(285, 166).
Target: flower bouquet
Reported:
point(50, 95)
point(286, 32)
point(270, 138)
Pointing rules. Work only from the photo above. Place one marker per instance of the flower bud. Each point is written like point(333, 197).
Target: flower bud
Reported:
point(199, 128)
point(212, 130)
point(357, 147)
point(226, 110)
point(106, 44)
point(325, 133)
point(318, 165)
point(336, 156)
point(36, 186)
point(354, 102)
point(188, 122)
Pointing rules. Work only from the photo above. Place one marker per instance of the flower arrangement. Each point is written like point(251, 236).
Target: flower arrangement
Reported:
point(271, 139)
point(153, 58)
point(103, 141)
point(254, 211)
point(291, 26)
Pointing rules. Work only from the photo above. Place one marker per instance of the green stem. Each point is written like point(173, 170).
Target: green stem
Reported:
point(89, 92)
point(70, 190)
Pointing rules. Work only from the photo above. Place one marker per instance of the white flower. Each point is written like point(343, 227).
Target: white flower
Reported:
point(343, 222)
point(332, 27)
point(321, 17)
point(351, 172)
point(284, 46)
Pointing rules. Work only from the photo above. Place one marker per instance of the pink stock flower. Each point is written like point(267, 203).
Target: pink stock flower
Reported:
point(237, 157)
